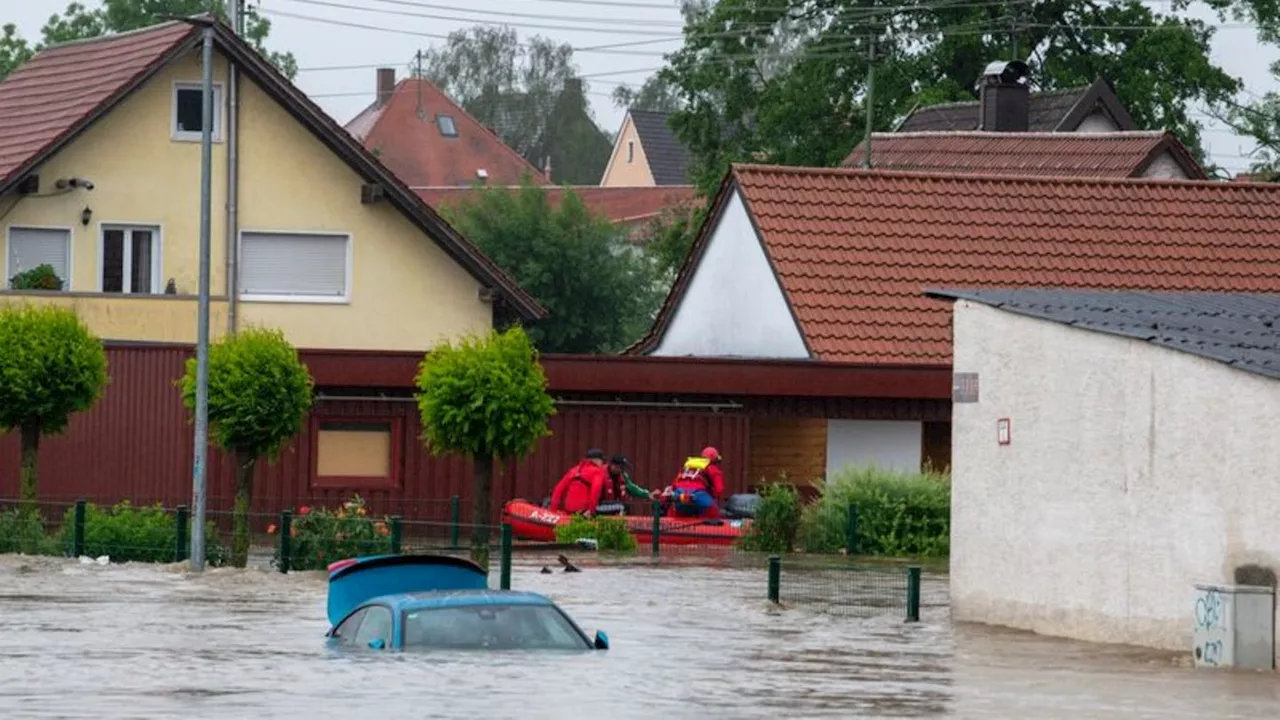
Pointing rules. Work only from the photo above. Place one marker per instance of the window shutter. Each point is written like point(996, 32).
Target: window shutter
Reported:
point(31, 247)
point(290, 264)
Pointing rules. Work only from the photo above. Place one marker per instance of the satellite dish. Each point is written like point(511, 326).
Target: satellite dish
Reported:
point(1013, 71)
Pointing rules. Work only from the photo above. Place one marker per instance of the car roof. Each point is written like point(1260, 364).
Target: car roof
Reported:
point(459, 598)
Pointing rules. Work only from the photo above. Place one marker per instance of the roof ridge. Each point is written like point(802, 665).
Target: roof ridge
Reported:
point(737, 168)
point(1036, 134)
point(116, 35)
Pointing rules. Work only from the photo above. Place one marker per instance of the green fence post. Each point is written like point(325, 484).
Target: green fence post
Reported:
point(286, 522)
point(77, 530)
point(397, 532)
point(657, 528)
point(851, 532)
point(775, 578)
point(913, 594)
point(504, 577)
point(455, 516)
point(183, 520)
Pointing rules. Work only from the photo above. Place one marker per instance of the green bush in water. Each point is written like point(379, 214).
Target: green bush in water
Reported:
point(126, 533)
point(24, 533)
point(899, 514)
point(610, 533)
point(777, 520)
point(320, 536)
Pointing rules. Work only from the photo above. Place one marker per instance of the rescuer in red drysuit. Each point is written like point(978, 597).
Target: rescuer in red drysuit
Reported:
point(580, 490)
point(697, 490)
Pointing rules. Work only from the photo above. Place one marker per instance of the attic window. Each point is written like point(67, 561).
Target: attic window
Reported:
point(188, 112)
point(447, 128)
point(631, 150)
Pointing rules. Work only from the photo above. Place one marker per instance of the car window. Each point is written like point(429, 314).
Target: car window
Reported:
point(376, 625)
point(346, 631)
point(497, 627)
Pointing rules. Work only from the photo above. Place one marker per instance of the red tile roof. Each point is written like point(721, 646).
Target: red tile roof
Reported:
point(52, 98)
point(412, 145)
point(59, 91)
point(619, 204)
point(1054, 154)
point(855, 250)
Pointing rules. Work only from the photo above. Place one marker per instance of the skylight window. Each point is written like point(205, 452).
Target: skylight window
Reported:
point(447, 128)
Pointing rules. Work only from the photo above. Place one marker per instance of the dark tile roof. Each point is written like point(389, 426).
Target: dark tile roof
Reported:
point(95, 76)
point(1049, 154)
point(1239, 330)
point(411, 144)
point(1050, 111)
point(668, 157)
point(854, 250)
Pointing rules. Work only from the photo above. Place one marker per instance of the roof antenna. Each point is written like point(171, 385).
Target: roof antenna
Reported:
point(871, 84)
point(418, 76)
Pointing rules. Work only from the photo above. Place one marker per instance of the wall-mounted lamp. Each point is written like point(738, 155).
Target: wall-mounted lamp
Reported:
point(86, 215)
point(72, 183)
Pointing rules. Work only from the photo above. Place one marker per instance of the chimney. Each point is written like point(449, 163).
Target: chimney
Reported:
point(386, 84)
point(1004, 98)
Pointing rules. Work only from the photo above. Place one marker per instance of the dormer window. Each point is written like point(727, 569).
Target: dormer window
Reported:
point(188, 112)
point(446, 126)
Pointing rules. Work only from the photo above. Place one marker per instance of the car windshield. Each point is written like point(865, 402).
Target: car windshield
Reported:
point(496, 627)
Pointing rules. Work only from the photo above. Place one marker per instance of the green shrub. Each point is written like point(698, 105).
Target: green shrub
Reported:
point(24, 533)
point(610, 533)
point(899, 514)
point(126, 533)
point(40, 277)
point(319, 536)
point(776, 521)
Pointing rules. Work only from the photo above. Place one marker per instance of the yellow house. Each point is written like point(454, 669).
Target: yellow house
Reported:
point(100, 161)
point(647, 153)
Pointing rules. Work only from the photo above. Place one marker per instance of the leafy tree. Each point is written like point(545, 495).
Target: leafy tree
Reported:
point(484, 397)
point(669, 237)
point(51, 366)
point(529, 93)
point(78, 22)
point(784, 80)
point(600, 294)
point(13, 50)
point(655, 95)
point(259, 393)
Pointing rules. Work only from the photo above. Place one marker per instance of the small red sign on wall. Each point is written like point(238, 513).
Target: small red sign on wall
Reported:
point(1004, 431)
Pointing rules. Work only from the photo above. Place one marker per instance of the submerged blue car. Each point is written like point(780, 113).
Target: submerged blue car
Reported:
point(409, 602)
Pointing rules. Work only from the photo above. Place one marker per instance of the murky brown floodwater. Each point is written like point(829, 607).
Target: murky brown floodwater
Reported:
point(139, 641)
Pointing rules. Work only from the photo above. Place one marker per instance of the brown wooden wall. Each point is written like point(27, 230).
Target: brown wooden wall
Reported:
point(794, 447)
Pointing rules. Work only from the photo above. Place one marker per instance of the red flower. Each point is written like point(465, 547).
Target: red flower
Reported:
point(304, 510)
point(271, 529)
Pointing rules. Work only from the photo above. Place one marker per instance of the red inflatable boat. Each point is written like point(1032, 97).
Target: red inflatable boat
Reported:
point(533, 522)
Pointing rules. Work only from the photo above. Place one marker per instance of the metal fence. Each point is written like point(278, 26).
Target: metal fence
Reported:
point(845, 588)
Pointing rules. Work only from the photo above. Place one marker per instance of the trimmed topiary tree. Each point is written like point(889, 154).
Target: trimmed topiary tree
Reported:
point(51, 367)
point(484, 397)
point(259, 394)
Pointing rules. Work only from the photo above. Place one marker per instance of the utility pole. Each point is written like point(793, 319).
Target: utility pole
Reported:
point(871, 89)
point(201, 444)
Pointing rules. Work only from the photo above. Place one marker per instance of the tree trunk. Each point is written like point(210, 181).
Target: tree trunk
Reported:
point(240, 520)
point(27, 493)
point(483, 471)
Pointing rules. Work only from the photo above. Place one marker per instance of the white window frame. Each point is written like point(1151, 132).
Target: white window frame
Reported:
point(343, 299)
point(157, 255)
point(8, 243)
point(187, 136)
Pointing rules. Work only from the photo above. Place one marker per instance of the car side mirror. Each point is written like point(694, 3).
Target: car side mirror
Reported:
point(602, 640)
point(377, 644)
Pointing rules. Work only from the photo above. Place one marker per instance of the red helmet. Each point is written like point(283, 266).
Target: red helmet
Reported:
point(710, 453)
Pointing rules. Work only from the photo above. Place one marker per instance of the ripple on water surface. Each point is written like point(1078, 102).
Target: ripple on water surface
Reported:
point(131, 641)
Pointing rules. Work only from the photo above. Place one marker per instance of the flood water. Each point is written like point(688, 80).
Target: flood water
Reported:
point(143, 641)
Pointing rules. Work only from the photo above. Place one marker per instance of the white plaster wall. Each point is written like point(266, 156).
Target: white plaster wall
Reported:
point(733, 306)
point(1133, 473)
point(887, 444)
point(1165, 167)
point(1097, 121)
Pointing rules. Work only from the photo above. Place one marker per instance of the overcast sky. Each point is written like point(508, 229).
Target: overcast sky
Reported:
point(321, 34)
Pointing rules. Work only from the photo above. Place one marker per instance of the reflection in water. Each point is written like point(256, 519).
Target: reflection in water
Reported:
point(157, 642)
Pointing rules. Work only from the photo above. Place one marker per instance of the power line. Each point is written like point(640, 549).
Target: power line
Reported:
point(474, 21)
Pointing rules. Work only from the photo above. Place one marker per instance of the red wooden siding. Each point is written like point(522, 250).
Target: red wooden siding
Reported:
point(136, 444)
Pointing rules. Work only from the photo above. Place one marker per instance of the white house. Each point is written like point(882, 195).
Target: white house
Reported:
point(1110, 451)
